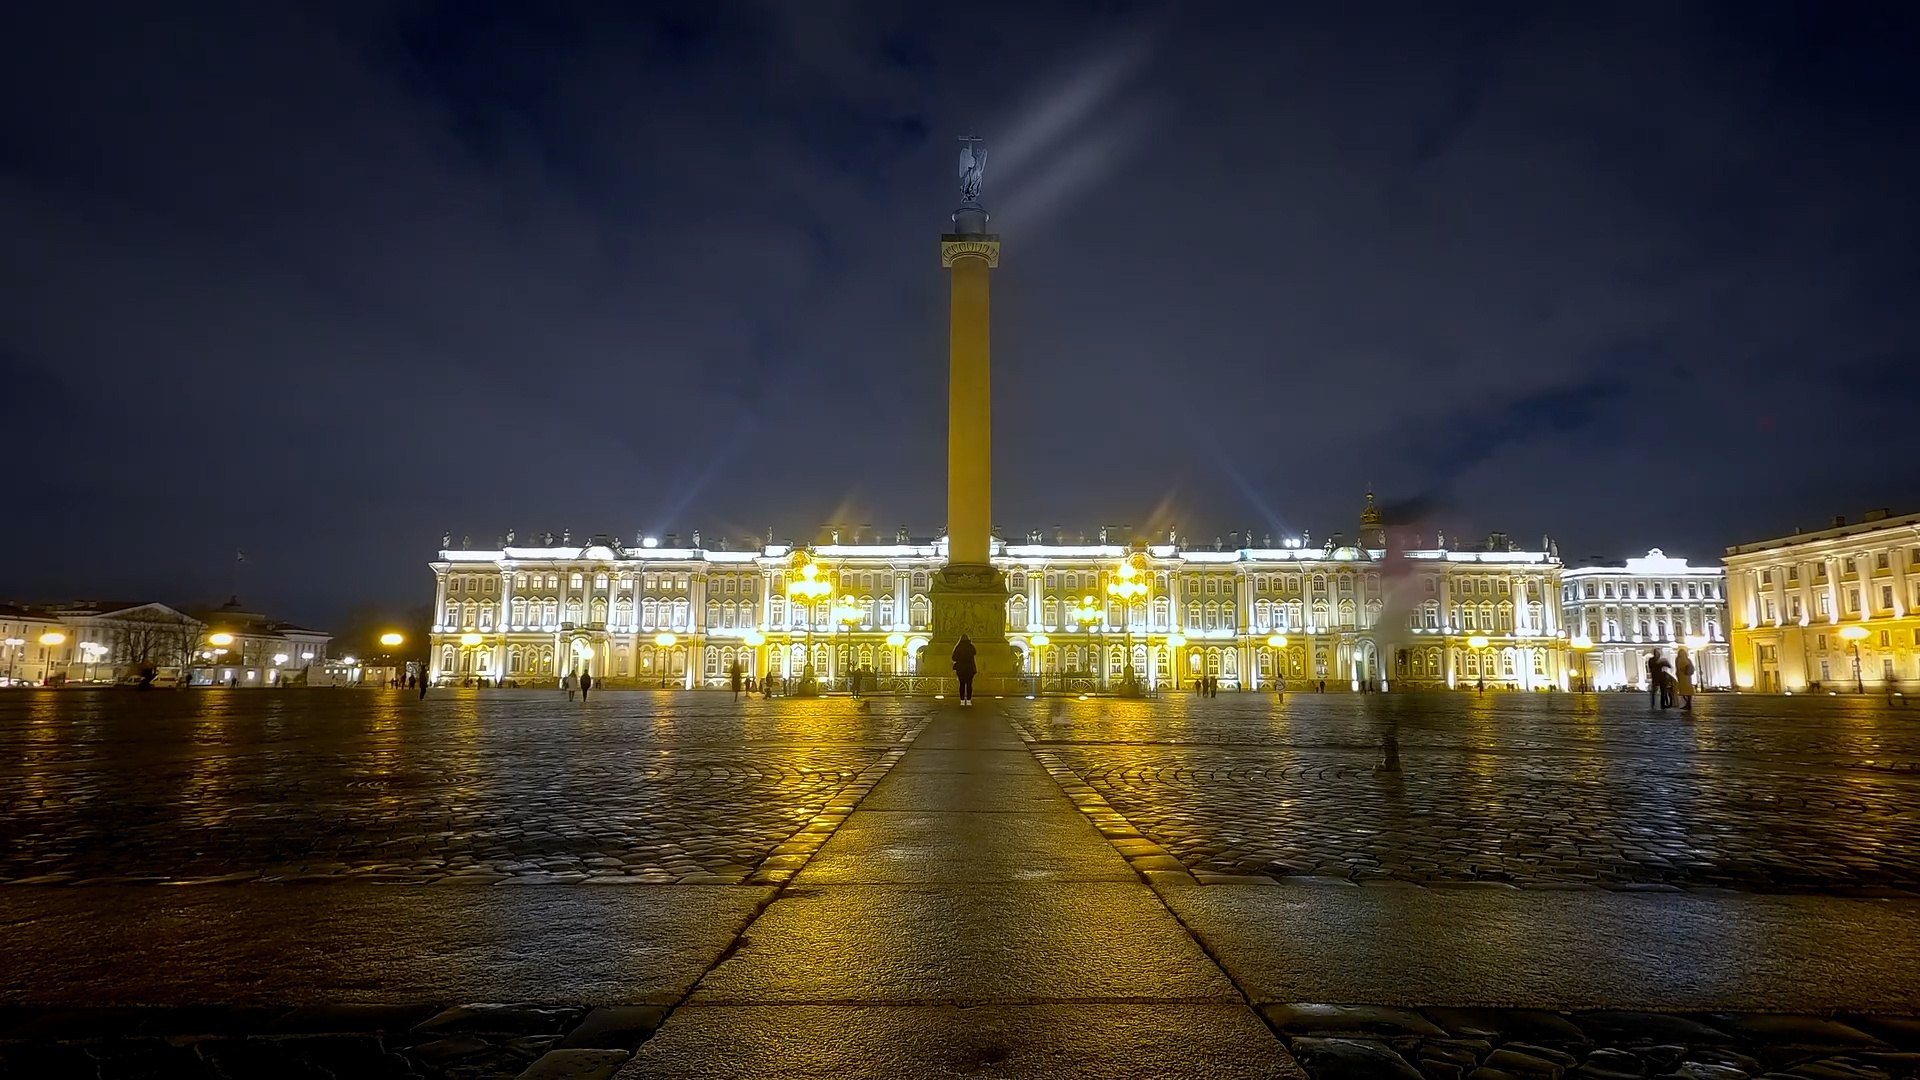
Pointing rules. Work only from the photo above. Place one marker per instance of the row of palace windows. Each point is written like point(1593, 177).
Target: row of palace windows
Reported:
point(1594, 590)
point(1850, 565)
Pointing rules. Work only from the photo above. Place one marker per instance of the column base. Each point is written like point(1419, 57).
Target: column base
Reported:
point(970, 600)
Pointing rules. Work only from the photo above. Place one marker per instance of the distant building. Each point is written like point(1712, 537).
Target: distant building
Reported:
point(245, 648)
point(1244, 612)
point(1805, 607)
point(1618, 615)
point(124, 641)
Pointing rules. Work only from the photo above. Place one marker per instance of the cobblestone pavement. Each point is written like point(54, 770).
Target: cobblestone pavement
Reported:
point(119, 787)
point(1331, 1042)
point(1552, 790)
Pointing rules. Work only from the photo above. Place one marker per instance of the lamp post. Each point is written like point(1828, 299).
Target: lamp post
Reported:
point(392, 640)
point(1477, 642)
point(1085, 616)
point(13, 655)
point(1174, 643)
point(94, 651)
point(754, 640)
point(1278, 642)
point(1126, 587)
point(467, 641)
point(1581, 644)
point(807, 588)
point(666, 642)
point(847, 613)
point(50, 639)
point(1854, 634)
point(1035, 643)
point(897, 642)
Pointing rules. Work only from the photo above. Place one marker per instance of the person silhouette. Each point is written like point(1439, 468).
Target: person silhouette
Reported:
point(963, 667)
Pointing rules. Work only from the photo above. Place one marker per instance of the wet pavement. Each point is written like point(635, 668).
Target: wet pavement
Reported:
point(1748, 793)
point(362, 885)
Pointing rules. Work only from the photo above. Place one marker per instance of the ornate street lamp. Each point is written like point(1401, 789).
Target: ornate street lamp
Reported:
point(1581, 644)
point(1127, 587)
point(808, 588)
point(1855, 633)
point(666, 641)
point(51, 639)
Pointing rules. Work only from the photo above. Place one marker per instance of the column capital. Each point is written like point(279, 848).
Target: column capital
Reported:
point(955, 246)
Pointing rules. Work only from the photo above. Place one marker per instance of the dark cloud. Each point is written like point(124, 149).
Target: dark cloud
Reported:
point(322, 282)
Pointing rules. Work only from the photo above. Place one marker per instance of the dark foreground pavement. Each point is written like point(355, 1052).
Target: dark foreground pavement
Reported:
point(961, 903)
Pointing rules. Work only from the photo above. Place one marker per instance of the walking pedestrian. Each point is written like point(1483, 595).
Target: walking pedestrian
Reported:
point(963, 667)
point(586, 684)
point(423, 687)
point(734, 678)
point(1683, 671)
point(1653, 678)
point(566, 683)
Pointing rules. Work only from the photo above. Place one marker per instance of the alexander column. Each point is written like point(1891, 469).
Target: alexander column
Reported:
point(969, 595)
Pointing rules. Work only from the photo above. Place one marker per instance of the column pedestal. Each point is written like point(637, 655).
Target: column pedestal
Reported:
point(972, 600)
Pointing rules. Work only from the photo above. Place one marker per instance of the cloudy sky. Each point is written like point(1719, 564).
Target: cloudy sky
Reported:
point(320, 283)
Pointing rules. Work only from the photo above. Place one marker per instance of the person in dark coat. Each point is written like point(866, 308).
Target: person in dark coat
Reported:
point(586, 684)
point(735, 679)
point(963, 654)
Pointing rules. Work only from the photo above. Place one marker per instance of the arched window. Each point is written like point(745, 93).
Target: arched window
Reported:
point(573, 611)
point(746, 613)
point(713, 613)
point(1193, 614)
point(519, 613)
point(600, 610)
point(447, 658)
point(623, 661)
point(917, 611)
point(713, 662)
point(486, 615)
point(599, 581)
point(576, 581)
point(470, 614)
point(919, 579)
point(623, 613)
point(680, 614)
point(1229, 615)
point(513, 660)
point(1017, 613)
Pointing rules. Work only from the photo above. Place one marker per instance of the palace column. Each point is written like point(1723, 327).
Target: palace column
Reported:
point(969, 595)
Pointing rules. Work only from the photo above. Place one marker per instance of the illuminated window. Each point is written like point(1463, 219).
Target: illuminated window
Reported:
point(577, 581)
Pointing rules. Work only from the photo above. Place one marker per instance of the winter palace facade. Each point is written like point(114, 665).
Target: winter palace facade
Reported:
point(665, 614)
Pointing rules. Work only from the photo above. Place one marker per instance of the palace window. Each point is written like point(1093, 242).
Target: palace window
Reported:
point(1050, 613)
point(599, 581)
point(577, 581)
point(1886, 596)
point(1193, 614)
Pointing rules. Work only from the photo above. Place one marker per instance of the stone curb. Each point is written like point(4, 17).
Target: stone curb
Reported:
point(1154, 864)
point(786, 861)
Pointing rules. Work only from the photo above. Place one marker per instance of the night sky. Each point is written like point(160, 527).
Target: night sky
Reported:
point(319, 284)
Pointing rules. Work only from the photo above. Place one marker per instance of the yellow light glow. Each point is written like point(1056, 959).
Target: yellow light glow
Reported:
point(1477, 642)
point(1581, 642)
point(1039, 639)
point(896, 640)
point(664, 640)
point(279, 658)
point(52, 637)
point(1176, 640)
point(469, 639)
point(755, 638)
point(1277, 640)
point(1696, 641)
point(391, 639)
point(1853, 633)
point(222, 638)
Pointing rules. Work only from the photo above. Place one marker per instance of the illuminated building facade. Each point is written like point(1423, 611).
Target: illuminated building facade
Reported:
point(1079, 615)
point(1805, 607)
point(1618, 615)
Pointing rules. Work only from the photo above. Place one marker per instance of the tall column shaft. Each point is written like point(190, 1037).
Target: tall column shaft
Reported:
point(969, 415)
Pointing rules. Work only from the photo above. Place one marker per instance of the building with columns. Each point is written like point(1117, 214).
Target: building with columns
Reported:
point(1805, 607)
point(1618, 615)
point(1077, 614)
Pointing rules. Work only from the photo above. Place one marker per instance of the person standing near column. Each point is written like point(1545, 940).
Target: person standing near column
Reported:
point(963, 668)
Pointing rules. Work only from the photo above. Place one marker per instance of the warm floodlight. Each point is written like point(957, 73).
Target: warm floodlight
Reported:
point(469, 639)
point(391, 639)
point(1477, 641)
point(222, 638)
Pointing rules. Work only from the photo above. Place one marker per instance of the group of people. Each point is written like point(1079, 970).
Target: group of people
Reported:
point(1668, 681)
point(583, 682)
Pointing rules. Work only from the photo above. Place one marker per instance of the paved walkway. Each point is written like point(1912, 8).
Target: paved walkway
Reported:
point(967, 915)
